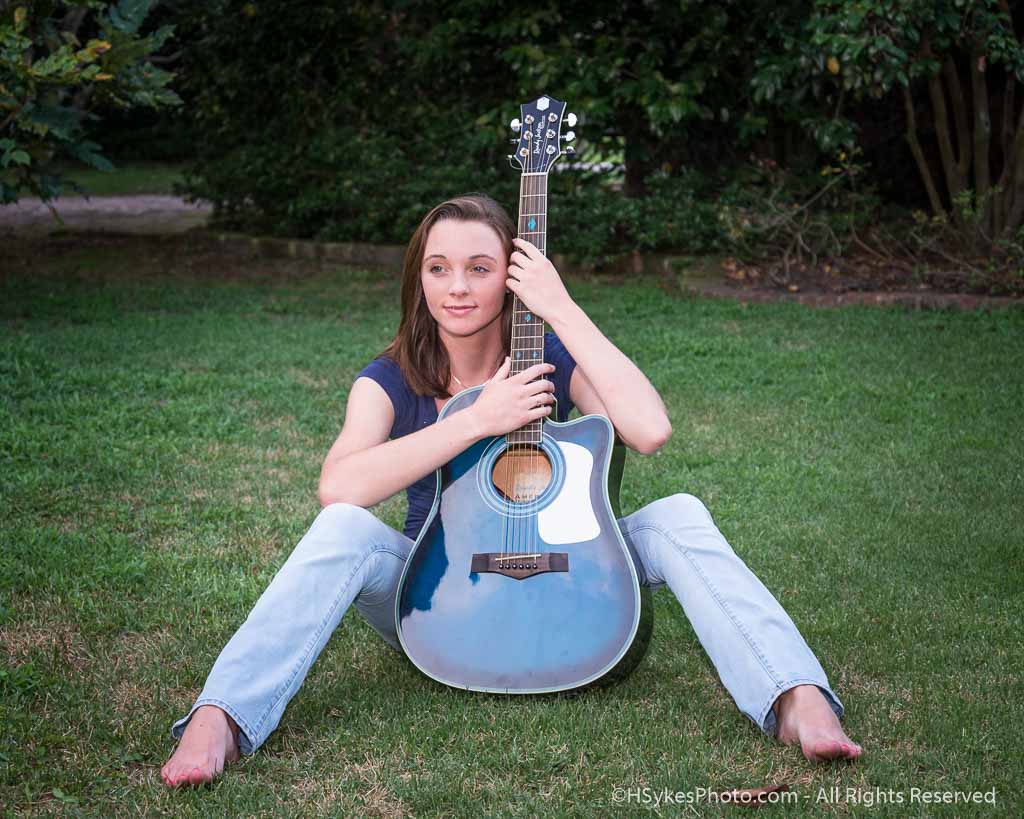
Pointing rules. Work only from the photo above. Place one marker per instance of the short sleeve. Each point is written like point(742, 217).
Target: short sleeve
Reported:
point(386, 372)
point(556, 353)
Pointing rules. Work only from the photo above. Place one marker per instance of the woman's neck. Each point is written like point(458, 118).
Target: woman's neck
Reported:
point(475, 358)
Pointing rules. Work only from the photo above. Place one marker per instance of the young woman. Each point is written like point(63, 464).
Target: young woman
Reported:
point(461, 268)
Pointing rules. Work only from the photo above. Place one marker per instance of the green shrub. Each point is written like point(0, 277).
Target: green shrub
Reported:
point(594, 224)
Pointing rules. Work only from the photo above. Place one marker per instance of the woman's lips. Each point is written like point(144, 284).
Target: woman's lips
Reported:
point(459, 311)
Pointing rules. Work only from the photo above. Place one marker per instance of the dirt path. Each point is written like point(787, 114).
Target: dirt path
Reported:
point(150, 214)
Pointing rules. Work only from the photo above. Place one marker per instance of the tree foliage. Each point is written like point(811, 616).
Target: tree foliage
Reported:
point(965, 57)
point(346, 121)
point(61, 62)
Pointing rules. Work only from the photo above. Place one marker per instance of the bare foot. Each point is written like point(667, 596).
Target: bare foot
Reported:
point(804, 716)
point(210, 740)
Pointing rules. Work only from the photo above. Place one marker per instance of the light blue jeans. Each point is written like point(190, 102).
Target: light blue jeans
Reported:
point(349, 555)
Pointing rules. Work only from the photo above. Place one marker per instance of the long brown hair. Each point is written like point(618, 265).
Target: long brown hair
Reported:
point(417, 347)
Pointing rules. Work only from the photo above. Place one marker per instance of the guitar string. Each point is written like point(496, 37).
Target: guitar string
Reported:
point(524, 208)
point(521, 517)
point(508, 525)
point(533, 184)
point(509, 454)
point(540, 232)
point(514, 453)
point(537, 329)
point(538, 452)
point(531, 519)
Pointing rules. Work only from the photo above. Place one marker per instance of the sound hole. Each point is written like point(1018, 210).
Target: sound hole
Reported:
point(522, 472)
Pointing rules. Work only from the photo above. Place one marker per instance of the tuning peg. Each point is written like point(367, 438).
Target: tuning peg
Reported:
point(515, 124)
point(569, 150)
point(571, 119)
point(569, 136)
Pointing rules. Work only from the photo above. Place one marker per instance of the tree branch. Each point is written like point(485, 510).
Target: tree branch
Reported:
point(915, 149)
point(11, 116)
point(1016, 216)
point(170, 58)
point(1002, 202)
point(1008, 109)
point(982, 136)
point(963, 134)
point(1011, 158)
point(73, 19)
point(954, 183)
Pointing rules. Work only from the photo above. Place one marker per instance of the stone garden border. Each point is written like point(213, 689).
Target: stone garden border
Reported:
point(678, 271)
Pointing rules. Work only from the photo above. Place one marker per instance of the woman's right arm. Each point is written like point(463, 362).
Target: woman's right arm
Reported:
point(364, 468)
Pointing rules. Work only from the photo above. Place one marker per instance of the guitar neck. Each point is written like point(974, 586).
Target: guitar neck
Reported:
point(527, 327)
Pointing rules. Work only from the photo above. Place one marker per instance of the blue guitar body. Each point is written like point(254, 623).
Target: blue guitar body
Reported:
point(526, 596)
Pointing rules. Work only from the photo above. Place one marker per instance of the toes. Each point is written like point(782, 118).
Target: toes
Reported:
point(852, 749)
point(829, 749)
point(825, 750)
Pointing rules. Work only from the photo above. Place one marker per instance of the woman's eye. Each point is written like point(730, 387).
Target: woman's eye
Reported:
point(435, 268)
point(481, 267)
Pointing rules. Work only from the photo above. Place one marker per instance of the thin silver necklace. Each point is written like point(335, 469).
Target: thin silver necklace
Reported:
point(460, 382)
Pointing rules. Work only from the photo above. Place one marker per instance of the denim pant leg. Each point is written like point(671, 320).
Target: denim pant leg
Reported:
point(347, 555)
point(754, 645)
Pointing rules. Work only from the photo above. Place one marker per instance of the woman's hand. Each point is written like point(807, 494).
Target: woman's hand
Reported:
point(508, 403)
point(534, 279)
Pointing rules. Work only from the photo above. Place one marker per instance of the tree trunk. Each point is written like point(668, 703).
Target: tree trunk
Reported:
point(1009, 207)
point(982, 141)
point(963, 129)
point(919, 157)
point(640, 157)
point(950, 166)
point(1002, 211)
point(1015, 178)
point(1003, 201)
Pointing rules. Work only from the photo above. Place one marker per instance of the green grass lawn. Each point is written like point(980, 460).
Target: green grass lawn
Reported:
point(165, 410)
point(129, 178)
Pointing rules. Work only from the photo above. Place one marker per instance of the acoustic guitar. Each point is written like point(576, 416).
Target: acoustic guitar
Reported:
point(520, 581)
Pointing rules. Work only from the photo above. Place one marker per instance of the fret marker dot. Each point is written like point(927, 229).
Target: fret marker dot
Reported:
point(528, 317)
point(532, 224)
point(519, 355)
point(534, 353)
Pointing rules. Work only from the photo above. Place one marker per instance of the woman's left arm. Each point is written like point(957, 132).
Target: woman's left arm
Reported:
point(605, 381)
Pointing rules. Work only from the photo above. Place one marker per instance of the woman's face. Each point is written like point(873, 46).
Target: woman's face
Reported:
point(464, 264)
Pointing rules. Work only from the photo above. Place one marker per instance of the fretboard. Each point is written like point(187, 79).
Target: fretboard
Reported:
point(527, 327)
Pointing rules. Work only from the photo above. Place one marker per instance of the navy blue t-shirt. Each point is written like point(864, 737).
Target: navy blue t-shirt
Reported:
point(414, 412)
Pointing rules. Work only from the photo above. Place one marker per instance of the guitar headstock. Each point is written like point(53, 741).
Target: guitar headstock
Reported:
point(540, 134)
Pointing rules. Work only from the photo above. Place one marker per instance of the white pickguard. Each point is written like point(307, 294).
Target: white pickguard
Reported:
point(569, 518)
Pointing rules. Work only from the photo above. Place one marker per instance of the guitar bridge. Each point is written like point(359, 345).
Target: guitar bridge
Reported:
point(520, 566)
